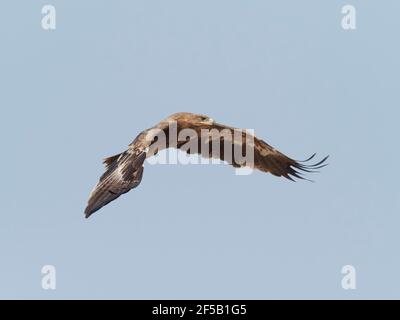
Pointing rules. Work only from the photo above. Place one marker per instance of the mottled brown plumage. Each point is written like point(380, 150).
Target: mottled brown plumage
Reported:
point(124, 171)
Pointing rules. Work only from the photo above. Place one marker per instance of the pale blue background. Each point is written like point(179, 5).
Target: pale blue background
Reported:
point(287, 69)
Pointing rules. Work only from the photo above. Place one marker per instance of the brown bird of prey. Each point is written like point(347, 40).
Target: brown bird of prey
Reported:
point(124, 171)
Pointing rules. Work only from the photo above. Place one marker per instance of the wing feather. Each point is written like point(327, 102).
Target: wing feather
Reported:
point(266, 157)
point(123, 173)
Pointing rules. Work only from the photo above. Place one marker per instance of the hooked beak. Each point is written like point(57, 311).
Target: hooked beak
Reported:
point(210, 121)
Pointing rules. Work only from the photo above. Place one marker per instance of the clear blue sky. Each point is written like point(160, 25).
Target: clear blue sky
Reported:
point(283, 68)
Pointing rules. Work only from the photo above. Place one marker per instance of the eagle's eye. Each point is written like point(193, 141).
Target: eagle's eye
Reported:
point(202, 118)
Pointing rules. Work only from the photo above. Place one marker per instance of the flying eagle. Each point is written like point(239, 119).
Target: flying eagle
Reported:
point(124, 171)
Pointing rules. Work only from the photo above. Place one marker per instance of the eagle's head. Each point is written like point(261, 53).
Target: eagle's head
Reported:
point(195, 119)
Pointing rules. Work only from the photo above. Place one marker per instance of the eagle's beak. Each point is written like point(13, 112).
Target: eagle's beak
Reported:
point(210, 121)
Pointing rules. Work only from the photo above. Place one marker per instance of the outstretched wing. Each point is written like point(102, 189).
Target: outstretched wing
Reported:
point(265, 157)
point(123, 173)
point(268, 159)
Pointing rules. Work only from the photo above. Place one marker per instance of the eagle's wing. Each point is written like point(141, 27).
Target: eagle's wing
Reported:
point(123, 173)
point(266, 158)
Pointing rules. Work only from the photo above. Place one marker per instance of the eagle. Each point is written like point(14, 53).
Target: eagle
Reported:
point(124, 171)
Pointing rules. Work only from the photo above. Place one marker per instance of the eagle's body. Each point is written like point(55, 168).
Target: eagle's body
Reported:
point(124, 171)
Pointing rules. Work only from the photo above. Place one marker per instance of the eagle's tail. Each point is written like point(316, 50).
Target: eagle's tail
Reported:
point(123, 173)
